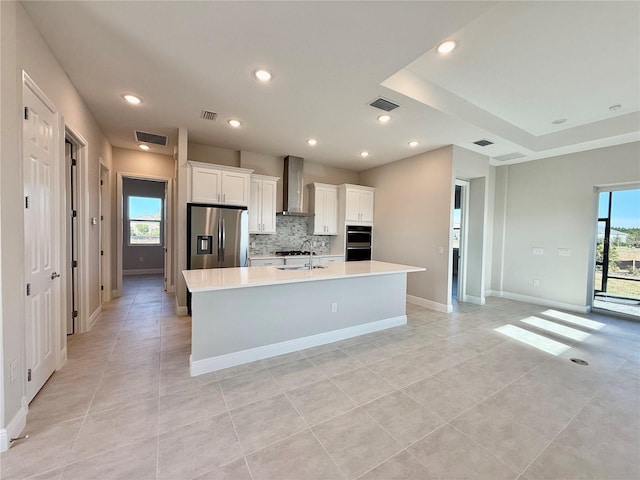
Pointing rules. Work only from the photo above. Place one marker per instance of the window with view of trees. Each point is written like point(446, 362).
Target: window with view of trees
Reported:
point(145, 221)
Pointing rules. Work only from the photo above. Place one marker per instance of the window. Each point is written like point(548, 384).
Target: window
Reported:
point(145, 221)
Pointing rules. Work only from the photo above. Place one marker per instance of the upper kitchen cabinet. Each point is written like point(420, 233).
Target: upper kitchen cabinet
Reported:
point(323, 204)
point(262, 204)
point(356, 202)
point(219, 184)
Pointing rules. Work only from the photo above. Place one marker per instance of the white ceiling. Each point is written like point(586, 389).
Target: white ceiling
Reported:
point(518, 67)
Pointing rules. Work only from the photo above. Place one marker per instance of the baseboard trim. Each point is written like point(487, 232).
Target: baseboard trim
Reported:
point(544, 302)
point(171, 288)
point(94, 318)
point(143, 271)
point(475, 300)
point(181, 309)
point(15, 427)
point(423, 302)
point(212, 364)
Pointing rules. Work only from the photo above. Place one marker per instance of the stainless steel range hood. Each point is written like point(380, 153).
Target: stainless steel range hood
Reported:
point(293, 187)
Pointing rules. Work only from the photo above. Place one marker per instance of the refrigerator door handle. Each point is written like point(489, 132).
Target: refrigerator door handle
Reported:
point(219, 240)
point(224, 239)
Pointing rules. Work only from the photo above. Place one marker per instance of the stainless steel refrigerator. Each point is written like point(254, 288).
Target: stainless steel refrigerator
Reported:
point(217, 237)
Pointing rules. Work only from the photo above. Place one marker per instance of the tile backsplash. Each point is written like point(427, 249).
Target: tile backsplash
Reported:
point(291, 232)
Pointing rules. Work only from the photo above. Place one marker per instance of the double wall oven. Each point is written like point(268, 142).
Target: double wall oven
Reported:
point(358, 243)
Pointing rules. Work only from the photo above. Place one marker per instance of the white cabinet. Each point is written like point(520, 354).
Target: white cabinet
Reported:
point(357, 202)
point(219, 184)
point(323, 203)
point(257, 262)
point(262, 204)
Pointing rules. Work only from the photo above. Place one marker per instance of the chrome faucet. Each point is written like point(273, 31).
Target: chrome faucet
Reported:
point(307, 242)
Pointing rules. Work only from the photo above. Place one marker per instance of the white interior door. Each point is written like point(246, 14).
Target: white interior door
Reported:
point(41, 224)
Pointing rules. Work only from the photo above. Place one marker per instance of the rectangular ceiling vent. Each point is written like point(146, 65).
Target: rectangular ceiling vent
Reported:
point(483, 143)
point(509, 156)
point(208, 115)
point(384, 104)
point(145, 137)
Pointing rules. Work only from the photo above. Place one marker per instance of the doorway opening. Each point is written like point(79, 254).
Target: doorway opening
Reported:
point(617, 265)
point(144, 227)
point(459, 242)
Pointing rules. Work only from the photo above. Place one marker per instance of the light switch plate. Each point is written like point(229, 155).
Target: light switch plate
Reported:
point(564, 252)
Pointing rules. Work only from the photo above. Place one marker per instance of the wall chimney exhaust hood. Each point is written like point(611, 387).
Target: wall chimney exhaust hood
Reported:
point(293, 187)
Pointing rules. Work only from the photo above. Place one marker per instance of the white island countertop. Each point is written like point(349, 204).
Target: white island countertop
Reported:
point(228, 278)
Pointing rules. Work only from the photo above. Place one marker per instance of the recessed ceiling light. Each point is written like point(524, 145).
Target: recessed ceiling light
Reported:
point(234, 123)
point(559, 121)
point(263, 75)
point(364, 154)
point(384, 118)
point(413, 144)
point(312, 141)
point(132, 99)
point(447, 47)
point(615, 108)
point(144, 147)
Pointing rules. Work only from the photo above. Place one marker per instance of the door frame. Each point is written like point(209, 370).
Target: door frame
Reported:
point(104, 185)
point(464, 229)
point(82, 180)
point(168, 226)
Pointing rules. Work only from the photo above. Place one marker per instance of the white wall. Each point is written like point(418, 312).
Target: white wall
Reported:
point(413, 219)
point(22, 48)
point(552, 203)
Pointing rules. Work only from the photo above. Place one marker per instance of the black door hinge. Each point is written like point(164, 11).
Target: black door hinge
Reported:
point(28, 289)
point(74, 263)
point(75, 313)
point(101, 183)
point(74, 213)
point(101, 287)
point(27, 202)
point(74, 162)
point(26, 113)
point(101, 252)
point(28, 375)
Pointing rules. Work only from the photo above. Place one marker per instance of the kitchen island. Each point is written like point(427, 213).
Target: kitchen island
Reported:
point(240, 315)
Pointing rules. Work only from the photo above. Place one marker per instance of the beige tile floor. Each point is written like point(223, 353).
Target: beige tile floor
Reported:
point(445, 397)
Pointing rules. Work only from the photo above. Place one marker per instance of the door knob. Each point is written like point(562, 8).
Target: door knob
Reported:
point(54, 275)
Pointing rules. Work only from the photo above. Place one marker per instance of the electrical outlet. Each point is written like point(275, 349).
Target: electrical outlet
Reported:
point(536, 282)
point(253, 244)
point(334, 307)
point(564, 252)
point(441, 250)
point(537, 251)
point(324, 243)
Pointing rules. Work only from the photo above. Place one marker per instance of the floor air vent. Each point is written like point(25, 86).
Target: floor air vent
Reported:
point(483, 143)
point(384, 104)
point(208, 115)
point(145, 137)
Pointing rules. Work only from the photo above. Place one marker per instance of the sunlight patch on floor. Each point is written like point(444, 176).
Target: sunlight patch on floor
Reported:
point(567, 317)
point(556, 328)
point(533, 339)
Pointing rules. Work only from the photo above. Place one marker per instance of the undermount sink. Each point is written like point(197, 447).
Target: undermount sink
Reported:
point(299, 267)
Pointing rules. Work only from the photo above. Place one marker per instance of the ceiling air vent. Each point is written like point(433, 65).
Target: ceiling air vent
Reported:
point(384, 104)
point(144, 137)
point(508, 156)
point(483, 143)
point(207, 115)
